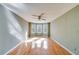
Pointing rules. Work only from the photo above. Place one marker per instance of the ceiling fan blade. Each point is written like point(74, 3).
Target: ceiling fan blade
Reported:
point(42, 14)
point(43, 19)
point(35, 15)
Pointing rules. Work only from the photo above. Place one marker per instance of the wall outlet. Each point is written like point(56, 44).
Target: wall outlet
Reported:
point(75, 49)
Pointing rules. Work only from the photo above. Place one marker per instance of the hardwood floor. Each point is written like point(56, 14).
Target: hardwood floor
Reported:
point(39, 46)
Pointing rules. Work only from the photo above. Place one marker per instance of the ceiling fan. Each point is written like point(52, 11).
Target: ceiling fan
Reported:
point(39, 17)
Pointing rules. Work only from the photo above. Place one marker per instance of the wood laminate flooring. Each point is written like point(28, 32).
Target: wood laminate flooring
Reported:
point(39, 46)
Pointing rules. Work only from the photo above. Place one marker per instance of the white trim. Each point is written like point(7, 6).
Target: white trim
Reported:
point(13, 48)
point(64, 47)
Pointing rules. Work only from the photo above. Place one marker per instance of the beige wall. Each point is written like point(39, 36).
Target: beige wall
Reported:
point(65, 30)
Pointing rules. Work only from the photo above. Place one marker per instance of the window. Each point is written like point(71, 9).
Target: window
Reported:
point(39, 29)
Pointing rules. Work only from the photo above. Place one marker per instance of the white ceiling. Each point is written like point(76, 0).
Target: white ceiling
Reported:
point(51, 10)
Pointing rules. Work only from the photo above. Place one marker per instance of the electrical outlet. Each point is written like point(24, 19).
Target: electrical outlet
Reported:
point(75, 49)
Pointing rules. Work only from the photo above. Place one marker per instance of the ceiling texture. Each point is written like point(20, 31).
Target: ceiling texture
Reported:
point(51, 10)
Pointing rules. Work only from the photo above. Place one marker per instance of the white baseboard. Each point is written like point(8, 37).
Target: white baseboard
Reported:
point(13, 48)
point(64, 47)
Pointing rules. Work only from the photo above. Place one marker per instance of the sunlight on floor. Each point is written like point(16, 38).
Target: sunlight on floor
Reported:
point(32, 39)
point(38, 42)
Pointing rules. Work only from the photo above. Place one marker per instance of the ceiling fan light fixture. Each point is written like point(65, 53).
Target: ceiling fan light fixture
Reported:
point(39, 17)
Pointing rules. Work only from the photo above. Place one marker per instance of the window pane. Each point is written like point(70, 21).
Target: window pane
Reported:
point(39, 28)
point(33, 28)
point(45, 29)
